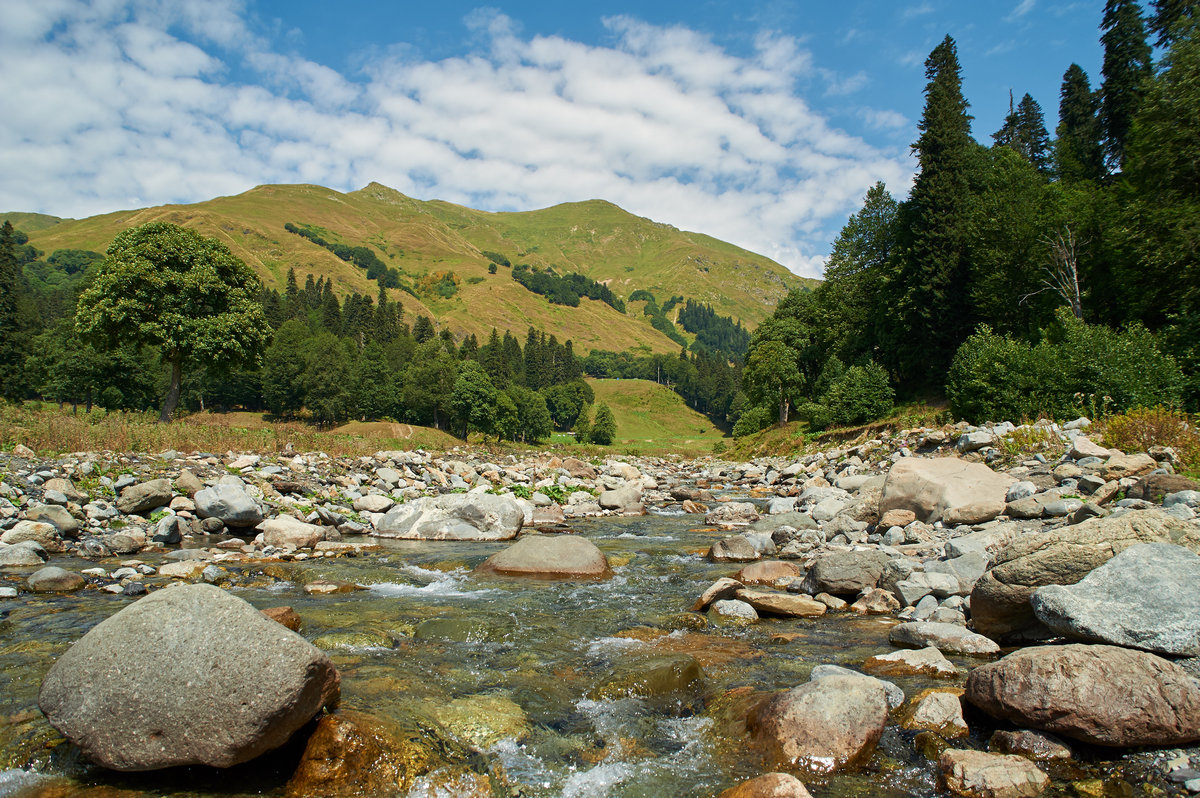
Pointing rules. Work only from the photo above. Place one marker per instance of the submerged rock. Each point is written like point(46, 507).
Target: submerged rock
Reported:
point(550, 557)
point(119, 692)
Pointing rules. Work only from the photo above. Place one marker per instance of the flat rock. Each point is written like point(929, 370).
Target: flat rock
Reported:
point(732, 513)
point(550, 557)
point(454, 516)
point(26, 554)
point(626, 498)
point(733, 549)
point(931, 487)
point(978, 774)
point(723, 588)
point(1120, 466)
point(946, 637)
point(1146, 597)
point(1029, 744)
point(1103, 695)
point(67, 524)
point(1000, 600)
point(768, 572)
point(789, 605)
point(928, 661)
point(119, 692)
point(821, 725)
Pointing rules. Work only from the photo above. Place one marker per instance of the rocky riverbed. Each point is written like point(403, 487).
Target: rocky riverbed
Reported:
point(992, 611)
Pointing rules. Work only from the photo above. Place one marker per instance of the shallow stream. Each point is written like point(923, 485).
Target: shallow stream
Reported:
point(428, 639)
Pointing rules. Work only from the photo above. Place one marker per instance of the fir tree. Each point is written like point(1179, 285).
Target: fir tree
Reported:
point(933, 277)
point(1078, 153)
point(10, 348)
point(1167, 18)
point(422, 330)
point(1126, 69)
point(604, 426)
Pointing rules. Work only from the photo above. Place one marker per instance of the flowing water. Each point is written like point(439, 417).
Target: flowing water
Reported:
point(545, 673)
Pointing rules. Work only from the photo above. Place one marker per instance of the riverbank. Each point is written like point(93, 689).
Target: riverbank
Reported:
point(741, 581)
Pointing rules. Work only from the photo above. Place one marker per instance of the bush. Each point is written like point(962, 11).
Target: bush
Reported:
point(1139, 429)
point(1078, 368)
point(754, 420)
point(861, 394)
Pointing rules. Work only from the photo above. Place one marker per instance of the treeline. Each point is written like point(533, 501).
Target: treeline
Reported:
point(1034, 275)
point(714, 334)
point(565, 289)
point(707, 382)
point(362, 257)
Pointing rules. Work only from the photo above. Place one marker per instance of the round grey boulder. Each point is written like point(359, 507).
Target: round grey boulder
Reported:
point(188, 675)
point(53, 579)
point(550, 557)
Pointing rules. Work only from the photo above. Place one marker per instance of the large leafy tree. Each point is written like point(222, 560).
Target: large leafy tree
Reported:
point(174, 289)
point(1078, 153)
point(772, 376)
point(473, 399)
point(932, 281)
point(1126, 69)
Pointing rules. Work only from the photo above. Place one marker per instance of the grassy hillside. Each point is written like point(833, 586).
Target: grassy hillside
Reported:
point(651, 417)
point(30, 222)
point(594, 238)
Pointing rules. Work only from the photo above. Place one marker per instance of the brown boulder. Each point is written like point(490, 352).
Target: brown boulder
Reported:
point(1104, 695)
point(283, 615)
point(355, 754)
point(845, 573)
point(768, 572)
point(771, 785)
point(823, 725)
point(1154, 487)
point(789, 605)
point(1000, 599)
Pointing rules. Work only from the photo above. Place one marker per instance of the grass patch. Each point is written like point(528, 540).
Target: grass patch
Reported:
point(1141, 428)
point(652, 418)
point(49, 430)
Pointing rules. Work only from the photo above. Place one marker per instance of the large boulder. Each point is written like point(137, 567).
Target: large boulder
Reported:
point(1103, 695)
point(822, 725)
point(1146, 597)
point(230, 503)
point(550, 557)
point(67, 524)
point(625, 499)
point(769, 785)
point(789, 605)
point(732, 513)
point(454, 516)
point(845, 573)
point(1000, 600)
point(145, 496)
point(932, 487)
point(286, 531)
point(188, 675)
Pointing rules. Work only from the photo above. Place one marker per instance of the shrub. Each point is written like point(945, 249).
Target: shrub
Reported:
point(754, 420)
point(861, 394)
point(1139, 429)
point(1078, 368)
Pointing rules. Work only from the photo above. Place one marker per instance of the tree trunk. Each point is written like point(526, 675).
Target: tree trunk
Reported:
point(172, 398)
point(783, 412)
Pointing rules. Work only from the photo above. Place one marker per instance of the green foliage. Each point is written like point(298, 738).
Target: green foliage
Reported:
point(753, 420)
point(10, 333)
point(604, 426)
point(714, 333)
point(861, 394)
point(772, 377)
point(567, 289)
point(1126, 71)
point(283, 369)
point(360, 256)
point(171, 288)
point(327, 379)
point(1078, 153)
point(496, 258)
point(473, 399)
point(997, 378)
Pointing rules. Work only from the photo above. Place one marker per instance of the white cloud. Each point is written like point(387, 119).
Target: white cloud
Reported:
point(126, 104)
point(1023, 8)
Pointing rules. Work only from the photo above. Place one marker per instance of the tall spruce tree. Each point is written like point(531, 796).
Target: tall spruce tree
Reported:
point(10, 348)
point(1167, 16)
point(1126, 69)
point(1078, 153)
point(932, 280)
point(1024, 131)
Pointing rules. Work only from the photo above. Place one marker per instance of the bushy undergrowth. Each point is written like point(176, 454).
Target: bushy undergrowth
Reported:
point(1139, 429)
point(1077, 368)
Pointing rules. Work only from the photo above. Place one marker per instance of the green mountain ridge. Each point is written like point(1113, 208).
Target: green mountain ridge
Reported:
point(423, 239)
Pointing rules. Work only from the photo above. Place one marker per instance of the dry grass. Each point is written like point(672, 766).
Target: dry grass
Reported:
point(49, 430)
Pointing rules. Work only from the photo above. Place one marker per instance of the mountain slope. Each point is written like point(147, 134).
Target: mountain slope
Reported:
point(421, 239)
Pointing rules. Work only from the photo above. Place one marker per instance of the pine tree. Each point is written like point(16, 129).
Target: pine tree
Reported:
point(1032, 138)
point(1126, 69)
point(1167, 16)
point(423, 329)
point(604, 426)
point(1078, 153)
point(934, 317)
point(291, 304)
point(10, 347)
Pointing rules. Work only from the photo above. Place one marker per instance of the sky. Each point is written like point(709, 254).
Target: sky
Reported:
point(760, 122)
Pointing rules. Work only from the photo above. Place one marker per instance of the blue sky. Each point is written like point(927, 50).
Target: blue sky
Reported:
point(762, 123)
